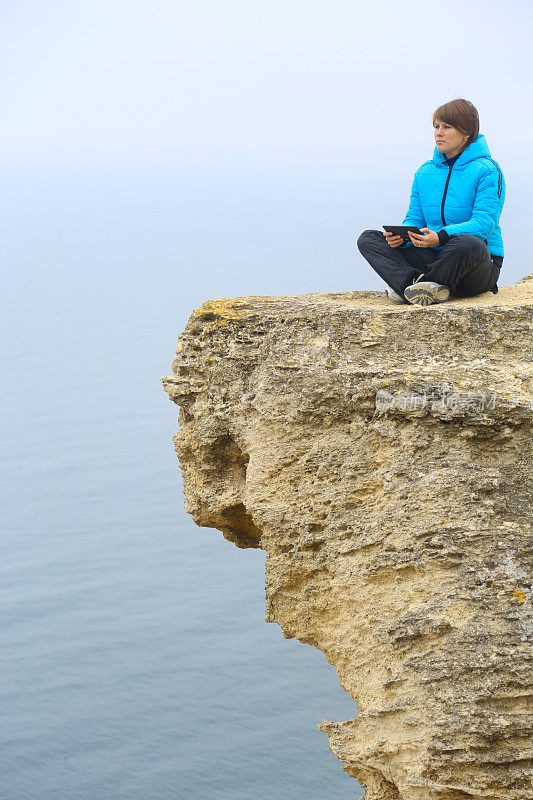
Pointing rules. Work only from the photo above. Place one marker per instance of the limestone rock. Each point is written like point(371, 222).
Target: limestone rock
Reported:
point(381, 456)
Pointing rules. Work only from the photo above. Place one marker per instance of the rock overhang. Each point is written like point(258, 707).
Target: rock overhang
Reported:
point(381, 456)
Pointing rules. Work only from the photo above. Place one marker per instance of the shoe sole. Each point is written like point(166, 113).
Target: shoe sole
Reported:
point(421, 294)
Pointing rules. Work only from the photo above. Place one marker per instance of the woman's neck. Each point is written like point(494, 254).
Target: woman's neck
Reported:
point(452, 158)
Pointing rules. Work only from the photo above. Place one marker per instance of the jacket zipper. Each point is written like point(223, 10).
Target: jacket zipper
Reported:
point(444, 195)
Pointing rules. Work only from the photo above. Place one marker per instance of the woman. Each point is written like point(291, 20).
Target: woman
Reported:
point(456, 201)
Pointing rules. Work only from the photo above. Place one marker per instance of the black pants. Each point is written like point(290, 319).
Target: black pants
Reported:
point(464, 263)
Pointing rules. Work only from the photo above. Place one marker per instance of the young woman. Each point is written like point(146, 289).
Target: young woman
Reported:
point(456, 201)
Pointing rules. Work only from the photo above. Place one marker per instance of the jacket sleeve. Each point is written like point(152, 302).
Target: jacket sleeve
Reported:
point(487, 207)
point(415, 215)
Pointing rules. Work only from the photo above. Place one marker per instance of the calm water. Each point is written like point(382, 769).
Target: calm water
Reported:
point(136, 662)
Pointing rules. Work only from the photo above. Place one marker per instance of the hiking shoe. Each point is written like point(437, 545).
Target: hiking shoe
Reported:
point(394, 296)
point(423, 293)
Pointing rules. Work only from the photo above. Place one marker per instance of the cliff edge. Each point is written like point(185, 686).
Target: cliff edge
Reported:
point(381, 456)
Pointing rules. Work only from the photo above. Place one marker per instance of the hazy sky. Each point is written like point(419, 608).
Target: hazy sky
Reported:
point(127, 75)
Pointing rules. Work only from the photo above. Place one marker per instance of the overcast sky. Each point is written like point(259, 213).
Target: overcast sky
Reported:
point(117, 76)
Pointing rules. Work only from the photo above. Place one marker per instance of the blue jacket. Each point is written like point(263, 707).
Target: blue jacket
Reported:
point(464, 197)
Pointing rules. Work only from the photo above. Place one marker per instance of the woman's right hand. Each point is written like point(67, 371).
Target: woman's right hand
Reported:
point(392, 239)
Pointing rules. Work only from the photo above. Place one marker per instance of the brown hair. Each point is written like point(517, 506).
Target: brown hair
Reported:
point(462, 115)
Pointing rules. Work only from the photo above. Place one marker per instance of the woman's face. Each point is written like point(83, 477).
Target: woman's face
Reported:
point(448, 140)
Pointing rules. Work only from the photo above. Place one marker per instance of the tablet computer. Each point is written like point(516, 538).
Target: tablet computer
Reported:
point(401, 230)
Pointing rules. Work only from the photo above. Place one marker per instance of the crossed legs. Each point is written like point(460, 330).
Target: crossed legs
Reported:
point(464, 263)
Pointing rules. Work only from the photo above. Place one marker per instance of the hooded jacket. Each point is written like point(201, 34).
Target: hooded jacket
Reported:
point(463, 195)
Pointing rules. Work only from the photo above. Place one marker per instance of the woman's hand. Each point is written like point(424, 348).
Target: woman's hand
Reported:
point(393, 240)
point(431, 238)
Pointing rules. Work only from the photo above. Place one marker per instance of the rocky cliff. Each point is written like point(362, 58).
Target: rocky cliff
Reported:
point(381, 456)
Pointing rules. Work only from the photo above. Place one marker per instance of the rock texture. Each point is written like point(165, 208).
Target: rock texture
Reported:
point(381, 456)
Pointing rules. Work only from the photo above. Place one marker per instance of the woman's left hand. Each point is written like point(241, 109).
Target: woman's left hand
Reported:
point(431, 239)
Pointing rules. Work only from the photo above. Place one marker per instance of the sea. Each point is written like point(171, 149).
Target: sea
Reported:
point(136, 661)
